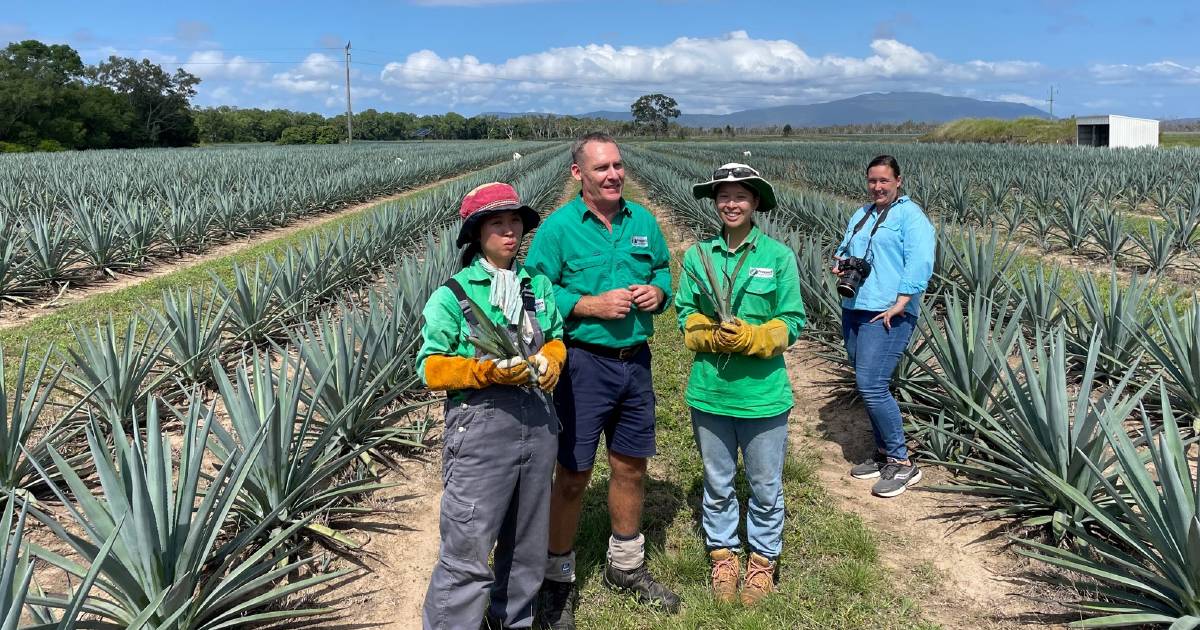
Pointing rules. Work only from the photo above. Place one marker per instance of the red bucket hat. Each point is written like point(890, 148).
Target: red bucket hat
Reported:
point(489, 199)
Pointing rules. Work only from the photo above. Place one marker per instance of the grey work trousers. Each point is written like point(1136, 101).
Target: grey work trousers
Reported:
point(497, 464)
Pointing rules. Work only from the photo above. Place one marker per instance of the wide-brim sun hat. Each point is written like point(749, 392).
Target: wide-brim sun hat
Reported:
point(736, 173)
point(488, 199)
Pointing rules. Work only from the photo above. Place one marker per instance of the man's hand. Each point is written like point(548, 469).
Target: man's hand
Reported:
point(614, 304)
point(646, 297)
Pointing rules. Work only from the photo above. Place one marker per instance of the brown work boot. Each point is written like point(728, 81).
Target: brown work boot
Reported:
point(726, 572)
point(760, 579)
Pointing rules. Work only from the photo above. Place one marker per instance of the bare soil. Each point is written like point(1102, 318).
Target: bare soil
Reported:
point(958, 567)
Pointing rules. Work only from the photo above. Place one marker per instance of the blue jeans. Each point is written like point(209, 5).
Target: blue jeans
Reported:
point(874, 353)
point(763, 442)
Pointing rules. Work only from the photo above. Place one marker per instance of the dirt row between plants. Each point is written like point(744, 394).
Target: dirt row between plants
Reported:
point(959, 570)
point(16, 316)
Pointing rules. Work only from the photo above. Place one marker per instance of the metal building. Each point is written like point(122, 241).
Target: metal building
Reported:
point(1116, 131)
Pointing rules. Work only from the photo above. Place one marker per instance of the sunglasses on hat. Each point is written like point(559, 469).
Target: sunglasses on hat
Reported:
point(738, 172)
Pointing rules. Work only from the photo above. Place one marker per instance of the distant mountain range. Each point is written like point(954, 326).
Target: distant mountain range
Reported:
point(864, 109)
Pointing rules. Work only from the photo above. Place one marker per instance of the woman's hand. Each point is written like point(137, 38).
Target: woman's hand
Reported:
point(896, 310)
point(836, 270)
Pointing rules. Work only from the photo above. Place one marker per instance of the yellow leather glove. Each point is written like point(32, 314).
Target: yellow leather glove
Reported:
point(762, 341)
point(699, 333)
point(455, 372)
point(735, 335)
point(550, 360)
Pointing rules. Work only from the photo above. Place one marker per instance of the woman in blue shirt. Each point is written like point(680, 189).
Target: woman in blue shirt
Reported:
point(883, 265)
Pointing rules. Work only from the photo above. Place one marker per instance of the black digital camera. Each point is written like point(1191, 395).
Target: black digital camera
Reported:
point(854, 271)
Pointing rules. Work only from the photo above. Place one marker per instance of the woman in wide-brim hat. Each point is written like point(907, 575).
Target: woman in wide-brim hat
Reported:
point(738, 390)
point(501, 428)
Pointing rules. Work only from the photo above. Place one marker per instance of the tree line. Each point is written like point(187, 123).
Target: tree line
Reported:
point(50, 100)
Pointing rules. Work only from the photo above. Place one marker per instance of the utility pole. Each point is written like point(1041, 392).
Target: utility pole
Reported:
point(349, 113)
point(1052, 101)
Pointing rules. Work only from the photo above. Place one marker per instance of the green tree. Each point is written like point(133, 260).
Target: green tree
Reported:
point(160, 100)
point(654, 111)
point(787, 130)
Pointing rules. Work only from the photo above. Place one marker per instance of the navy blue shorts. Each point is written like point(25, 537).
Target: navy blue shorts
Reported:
point(598, 395)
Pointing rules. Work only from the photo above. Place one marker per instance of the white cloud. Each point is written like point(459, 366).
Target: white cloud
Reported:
point(1159, 71)
point(213, 64)
point(1022, 99)
point(318, 73)
point(703, 73)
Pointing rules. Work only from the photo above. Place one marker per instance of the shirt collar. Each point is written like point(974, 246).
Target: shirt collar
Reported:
point(751, 240)
point(585, 212)
point(476, 272)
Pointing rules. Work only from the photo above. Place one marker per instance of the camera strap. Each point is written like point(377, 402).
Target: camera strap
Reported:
point(875, 228)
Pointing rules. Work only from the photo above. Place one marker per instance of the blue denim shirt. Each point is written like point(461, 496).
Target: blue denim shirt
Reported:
point(901, 256)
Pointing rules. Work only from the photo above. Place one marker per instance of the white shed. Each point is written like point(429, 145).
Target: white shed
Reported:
point(1116, 131)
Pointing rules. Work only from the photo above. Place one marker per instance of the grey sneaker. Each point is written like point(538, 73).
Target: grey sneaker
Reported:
point(895, 478)
point(870, 468)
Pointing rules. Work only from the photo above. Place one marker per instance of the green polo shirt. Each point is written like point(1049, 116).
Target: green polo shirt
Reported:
point(767, 287)
point(580, 256)
point(445, 330)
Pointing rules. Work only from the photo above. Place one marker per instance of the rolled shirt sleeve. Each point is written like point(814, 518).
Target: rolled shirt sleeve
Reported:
point(920, 245)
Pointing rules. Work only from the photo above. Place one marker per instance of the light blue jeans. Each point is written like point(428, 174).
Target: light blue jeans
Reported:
point(763, 442)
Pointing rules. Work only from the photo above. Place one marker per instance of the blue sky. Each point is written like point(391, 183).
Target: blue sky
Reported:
point(471, 56)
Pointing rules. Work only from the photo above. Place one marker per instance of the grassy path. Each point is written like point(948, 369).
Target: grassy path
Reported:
point(831, 575)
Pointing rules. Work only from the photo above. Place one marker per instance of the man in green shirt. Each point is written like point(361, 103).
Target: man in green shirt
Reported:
point(609, 264)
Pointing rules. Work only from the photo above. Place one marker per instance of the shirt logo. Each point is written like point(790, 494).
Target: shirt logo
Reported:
point(640, 241)
point(539, 305)
point(762, 272)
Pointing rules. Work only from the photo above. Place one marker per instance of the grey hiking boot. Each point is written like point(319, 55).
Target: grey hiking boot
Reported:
point(894, 478)
point(641, 584)
point(556, 603)
point(870, 468)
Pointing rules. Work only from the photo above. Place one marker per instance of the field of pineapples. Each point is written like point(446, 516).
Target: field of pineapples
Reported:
point(185, 465)
point(1063, 395)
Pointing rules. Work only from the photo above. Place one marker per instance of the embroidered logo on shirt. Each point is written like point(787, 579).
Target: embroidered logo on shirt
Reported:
point(640, 241)
point(539, 305)
point(762, 272)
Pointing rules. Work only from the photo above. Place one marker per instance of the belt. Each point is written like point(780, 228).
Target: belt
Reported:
point(620, 354)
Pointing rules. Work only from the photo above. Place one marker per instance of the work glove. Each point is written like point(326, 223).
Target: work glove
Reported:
point(548, 364)
point(700, 335)
point(455, 372)
point(761, 341)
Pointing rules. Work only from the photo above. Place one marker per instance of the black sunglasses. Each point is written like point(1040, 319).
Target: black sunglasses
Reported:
point(737, 172)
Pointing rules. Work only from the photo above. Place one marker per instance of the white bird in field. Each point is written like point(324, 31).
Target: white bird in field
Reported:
point(745, 154)
point(516, 156)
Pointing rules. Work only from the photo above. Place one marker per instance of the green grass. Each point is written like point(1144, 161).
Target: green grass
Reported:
point(831, 576)
point(1181, 139)
point(1020, 131)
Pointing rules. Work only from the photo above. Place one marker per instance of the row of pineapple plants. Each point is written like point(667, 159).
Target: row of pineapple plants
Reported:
point(1065, 405)
point(284, 429)
point(1083, 211)
point(71, 219)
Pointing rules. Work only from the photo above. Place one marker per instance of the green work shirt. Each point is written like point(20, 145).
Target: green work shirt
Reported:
point(766, 287)
point(580, 256)
point(445, 330)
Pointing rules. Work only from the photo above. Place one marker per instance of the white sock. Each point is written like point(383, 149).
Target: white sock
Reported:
point(627, 555)
point(561, 568)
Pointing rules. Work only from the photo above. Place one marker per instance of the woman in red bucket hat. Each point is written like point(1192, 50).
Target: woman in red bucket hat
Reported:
point(501, 429)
